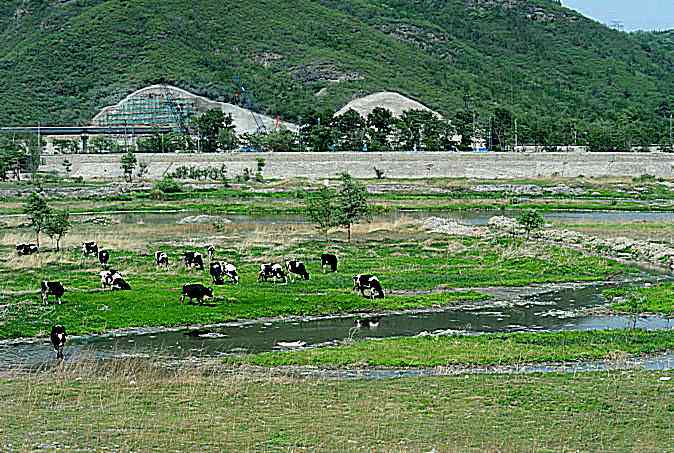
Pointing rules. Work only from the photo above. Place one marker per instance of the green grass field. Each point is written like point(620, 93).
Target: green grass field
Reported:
point(404, 265)
point(135, 407)
point(490, 349)
point(654, 299)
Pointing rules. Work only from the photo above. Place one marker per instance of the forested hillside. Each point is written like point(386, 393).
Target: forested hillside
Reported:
point(554, 70)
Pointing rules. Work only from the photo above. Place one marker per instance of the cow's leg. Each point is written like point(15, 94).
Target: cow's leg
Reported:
point(45, 298)
point(182, 299)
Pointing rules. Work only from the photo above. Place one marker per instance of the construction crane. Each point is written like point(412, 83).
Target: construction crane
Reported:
point(245, 99)
point(176, 110)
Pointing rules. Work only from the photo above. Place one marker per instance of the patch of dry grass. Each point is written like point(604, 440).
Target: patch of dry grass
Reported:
point(136, 406)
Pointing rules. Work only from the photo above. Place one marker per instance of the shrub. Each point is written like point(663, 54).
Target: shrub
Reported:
point(167, 185)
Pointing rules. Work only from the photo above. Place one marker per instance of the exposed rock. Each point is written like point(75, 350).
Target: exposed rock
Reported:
point(267, 58)
point(323, 72)
point(529, 189)
point(202, 219)
point(651, 252)
point(452, 228)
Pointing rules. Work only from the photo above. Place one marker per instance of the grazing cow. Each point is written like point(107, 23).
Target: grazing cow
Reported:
point(58, 340)
point(103, 257)
point(107, 278)
point(362, 282)
point(230, 272)
point(55, 289)
point(271, 270)
point(161, 259)
point(216, 270)
point(27, 249)
point(195, 291)
point(295, 267)
point(330, 260)
point(371, 323)
point(194, 259)
point(90, 248)
point(211, 252)
point(119, 284)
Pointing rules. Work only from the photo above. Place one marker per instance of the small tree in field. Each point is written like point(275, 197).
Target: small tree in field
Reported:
point(352, 204)
point(531, 220)
point(57, 226)
point(128, 163)
point(37, 211)
point(320, 208)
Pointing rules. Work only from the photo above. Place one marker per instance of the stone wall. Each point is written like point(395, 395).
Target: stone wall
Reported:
point(395, 165)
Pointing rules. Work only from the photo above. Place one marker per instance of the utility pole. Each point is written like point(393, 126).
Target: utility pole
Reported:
point(515, 135)
point(670, 131)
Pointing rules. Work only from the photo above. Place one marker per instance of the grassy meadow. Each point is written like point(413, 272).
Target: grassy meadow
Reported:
point(131, 406)
point(479, 350)
point(409, 262)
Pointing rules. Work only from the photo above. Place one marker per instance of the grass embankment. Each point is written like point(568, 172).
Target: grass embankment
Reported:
point(480, 350)
point(137, 408)
point(403, 266)
point(654, 299)
point(287, 198)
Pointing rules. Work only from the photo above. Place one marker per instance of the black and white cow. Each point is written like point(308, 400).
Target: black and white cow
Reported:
point(231, 273)
point(371, 322)
point(194, 259)
point(58, 340)
point(295, 267)
point(195, 291)
point(271, 270)
point(27, 249)
point(90, 248)
point(329, 260)
point(217, 271)
point(211, 252)
point(103, 257)
point(107, 277)
point(362, 282)
point(55, 289)
point(161, 259)
point(119, 284)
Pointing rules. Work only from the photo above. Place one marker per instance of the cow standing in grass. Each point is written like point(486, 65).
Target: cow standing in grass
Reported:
point(362, 282)
point(55, 289)
point(295, 267)
point(58, 340)
point(217, 271)
point(271, 271)
point(211, 252)
point(161, 259)
point(195, 291)
point(103, 257)
point(193, 259)
point(329, 260)
point(90, 248)
point(27, 249)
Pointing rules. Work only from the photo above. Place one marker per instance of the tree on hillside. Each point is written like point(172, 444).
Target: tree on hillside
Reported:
point(352, 206)
point(215, 129)
point(465, 128)
point(38, 211)
point(501, 128)
point(350, 131)
point(380, 128)
point(128, 164)
point(57, 225)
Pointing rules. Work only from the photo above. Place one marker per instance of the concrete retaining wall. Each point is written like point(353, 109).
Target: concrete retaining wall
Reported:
point(396, 165)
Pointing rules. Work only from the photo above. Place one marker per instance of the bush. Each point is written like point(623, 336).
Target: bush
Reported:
point(167, 185)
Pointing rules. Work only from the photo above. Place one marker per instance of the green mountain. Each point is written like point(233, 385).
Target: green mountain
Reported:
point(61, 61)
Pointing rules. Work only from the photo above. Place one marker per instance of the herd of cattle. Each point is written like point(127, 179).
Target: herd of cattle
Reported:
point(220, 272)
